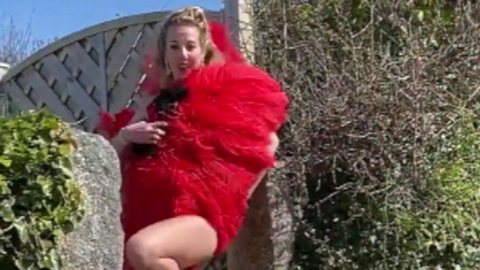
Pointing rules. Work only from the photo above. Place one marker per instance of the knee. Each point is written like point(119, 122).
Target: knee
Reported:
point(141, 253)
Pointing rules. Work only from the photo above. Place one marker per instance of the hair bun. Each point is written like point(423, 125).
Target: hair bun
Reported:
point(197, 14)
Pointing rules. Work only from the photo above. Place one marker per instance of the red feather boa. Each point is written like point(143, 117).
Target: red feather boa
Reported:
point(214, 150)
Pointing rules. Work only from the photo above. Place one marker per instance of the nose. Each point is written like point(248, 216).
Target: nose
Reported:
point(183, 54)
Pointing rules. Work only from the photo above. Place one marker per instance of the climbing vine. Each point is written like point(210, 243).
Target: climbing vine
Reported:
point(39, 201)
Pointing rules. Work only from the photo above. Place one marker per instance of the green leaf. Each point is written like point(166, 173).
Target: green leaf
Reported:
point(6, 210)
point(39, 201)
point(66, 149)
point(66, 166)
point(22, 231)
point(5, 162)
point(420, 15)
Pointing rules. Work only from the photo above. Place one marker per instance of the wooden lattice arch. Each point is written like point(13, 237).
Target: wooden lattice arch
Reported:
point(95, 68)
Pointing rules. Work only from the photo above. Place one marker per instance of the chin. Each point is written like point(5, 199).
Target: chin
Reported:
point(181, 75)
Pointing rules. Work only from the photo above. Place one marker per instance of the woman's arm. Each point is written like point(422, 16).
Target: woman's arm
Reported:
point(120, 141)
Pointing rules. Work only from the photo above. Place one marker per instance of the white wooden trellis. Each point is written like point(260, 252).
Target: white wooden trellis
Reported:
point(95, 68)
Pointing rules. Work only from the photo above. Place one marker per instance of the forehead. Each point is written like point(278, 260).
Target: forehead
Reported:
point(183, 33)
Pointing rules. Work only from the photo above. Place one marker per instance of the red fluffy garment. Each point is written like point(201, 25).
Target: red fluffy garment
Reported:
point(109, 125)
point(213, 152)
point(219, 34)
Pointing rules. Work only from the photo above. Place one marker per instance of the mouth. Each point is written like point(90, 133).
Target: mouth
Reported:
point(184, 67)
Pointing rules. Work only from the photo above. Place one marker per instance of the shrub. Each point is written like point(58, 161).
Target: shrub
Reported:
point(39, 201)
point(445, 229)
point(381, 130)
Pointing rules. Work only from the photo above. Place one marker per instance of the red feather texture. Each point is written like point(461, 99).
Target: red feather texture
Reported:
point(109, 125)
point(213, 153)
point(219, 35)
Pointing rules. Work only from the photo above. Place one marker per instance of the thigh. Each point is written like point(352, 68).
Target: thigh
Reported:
point(189, 240)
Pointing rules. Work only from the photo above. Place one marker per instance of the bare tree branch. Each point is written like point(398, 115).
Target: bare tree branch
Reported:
point(17, 43)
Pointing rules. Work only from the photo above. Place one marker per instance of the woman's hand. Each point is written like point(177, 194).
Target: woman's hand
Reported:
point(143, 132)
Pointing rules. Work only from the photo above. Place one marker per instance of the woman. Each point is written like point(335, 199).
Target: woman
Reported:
point(193, 156)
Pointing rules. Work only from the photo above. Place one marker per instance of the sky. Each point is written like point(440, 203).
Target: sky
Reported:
point(51, 19)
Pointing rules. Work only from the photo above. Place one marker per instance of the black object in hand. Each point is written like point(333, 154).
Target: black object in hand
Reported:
point(168, 98)
point(165, 105)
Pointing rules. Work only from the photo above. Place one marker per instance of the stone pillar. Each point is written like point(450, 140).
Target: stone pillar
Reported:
point(237, 17)
point(97, 243)
point(266, 239)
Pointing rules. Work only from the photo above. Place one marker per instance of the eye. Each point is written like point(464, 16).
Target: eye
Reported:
point(173, 46)
point(191, 47)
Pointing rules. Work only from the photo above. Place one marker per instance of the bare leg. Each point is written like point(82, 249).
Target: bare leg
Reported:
point(173, 244)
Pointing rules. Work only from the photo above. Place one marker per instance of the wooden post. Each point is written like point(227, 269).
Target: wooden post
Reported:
point(4, 67)
point(3, 96)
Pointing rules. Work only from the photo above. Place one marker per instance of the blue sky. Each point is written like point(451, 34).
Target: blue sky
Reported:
point(58, 18)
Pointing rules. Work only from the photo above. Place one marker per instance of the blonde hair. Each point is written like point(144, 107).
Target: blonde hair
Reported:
point(194, 16)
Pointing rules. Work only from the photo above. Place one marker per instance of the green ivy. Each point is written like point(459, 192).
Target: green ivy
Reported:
point(445, 231)
point(39, 200)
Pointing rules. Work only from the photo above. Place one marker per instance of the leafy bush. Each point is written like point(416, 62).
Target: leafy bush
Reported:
point(39, 201)
point(445, 229)
point(381, 141)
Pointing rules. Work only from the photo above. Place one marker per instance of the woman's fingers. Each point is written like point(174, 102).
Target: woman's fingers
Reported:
point(156, 131)
point(156, 128)
point(159, 124)
point(151, 132)
point(155, 138)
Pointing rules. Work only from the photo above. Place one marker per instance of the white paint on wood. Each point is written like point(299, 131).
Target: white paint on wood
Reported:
point(4, 67)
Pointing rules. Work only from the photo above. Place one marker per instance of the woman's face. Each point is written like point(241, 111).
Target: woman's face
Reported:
point(183, 50)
